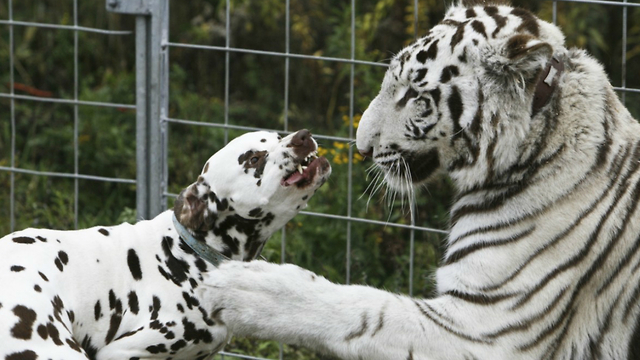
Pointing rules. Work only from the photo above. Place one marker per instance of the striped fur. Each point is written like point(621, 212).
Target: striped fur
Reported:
point(543, 256)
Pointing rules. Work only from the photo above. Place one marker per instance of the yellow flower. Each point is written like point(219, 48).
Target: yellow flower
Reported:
point(339, 145)
point(322, 151)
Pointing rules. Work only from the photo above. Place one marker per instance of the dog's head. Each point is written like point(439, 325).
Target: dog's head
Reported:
point(259, 175)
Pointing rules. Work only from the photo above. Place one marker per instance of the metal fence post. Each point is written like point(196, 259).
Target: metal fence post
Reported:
point(151, 99)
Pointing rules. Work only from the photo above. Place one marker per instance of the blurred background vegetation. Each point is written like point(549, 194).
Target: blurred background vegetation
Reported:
point(319, 99)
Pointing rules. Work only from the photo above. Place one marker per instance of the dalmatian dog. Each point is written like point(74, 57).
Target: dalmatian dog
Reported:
point(135, 291)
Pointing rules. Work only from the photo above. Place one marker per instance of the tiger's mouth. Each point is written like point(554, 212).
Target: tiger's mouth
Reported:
point(413, 166)
point(307, 171)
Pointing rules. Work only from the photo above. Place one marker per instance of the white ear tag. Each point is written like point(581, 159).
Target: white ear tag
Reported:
point(552, 74)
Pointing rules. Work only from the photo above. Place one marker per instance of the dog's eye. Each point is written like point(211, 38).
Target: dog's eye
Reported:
point(254, 160)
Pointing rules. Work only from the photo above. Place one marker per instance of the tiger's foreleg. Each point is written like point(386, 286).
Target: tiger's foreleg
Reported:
point(295, 306)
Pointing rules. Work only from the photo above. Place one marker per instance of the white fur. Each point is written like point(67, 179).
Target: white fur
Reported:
point(129, 291)
point(551, 273)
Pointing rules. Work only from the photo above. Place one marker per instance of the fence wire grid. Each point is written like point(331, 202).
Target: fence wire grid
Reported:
point(156, 106)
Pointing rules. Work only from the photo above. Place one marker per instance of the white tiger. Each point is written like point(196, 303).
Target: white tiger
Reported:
point(543, 256)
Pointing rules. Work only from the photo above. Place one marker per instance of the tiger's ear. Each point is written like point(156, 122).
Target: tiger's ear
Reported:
point(520, 57)
point(195, 207)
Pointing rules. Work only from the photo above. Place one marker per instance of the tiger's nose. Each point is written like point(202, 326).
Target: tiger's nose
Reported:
point(366, 152)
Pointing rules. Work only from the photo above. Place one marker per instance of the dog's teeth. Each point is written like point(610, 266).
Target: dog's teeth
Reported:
point(300, 168)
point(304, 167)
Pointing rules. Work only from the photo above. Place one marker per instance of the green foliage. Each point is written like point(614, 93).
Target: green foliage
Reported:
point(319, 98)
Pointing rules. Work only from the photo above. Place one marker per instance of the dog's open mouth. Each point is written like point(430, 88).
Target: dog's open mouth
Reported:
point(306, 171)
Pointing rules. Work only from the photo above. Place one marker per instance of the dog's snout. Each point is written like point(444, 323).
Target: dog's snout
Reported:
point(302, 143)
point(301, 138)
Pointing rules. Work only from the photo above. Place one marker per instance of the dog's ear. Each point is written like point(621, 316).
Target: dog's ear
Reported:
point(195, 207)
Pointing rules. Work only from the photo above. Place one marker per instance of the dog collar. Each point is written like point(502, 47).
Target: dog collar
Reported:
point(547, 84)
point(203, 250)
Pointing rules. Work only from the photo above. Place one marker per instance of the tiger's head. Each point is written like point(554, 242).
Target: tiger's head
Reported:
point(445, 99)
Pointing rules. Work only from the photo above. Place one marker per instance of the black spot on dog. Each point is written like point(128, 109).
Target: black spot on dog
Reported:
point(257, 212)
point(97, 310)
point(74, 345)
point(263, 140)
point(58, 264)
point(41, 238)
point(54, 334)
point(201, 265)
point(114, 324)
point(63, 257)
point(61, 260)
point(114, 302)
point(191, 333)
point(88, 347)
point(17, 268)
point(42, 332)
point(164, 273)
point(23, 355)
point(134, 264)
point(221, 204)
point(178, 268)
point(133, 302)
point(191, 301)
point(178, 345)
point(24, 327)
point(157, 349)
point(155, 307)
point(103, 231)
point(57, 306)
point(23, 240)
point(116, 317)
point(129, 333)
point(305, 197)
point(37, 288)
point(71, 315)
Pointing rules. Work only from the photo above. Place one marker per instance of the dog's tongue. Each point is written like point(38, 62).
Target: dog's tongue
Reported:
point(294, 178)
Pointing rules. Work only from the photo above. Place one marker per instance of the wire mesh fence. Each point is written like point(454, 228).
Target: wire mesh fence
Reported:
point(339, 221)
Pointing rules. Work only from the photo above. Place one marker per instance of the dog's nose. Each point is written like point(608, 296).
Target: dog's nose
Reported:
point(301, 138)
point(302, 143)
